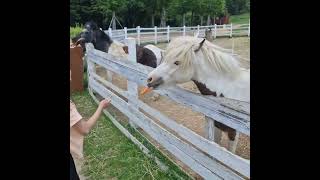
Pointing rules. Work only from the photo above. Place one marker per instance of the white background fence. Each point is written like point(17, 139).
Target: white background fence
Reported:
point(163, 34)
point(202, 155)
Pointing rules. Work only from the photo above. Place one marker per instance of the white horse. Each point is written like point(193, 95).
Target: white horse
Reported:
point(212, 68)
point(190, 58)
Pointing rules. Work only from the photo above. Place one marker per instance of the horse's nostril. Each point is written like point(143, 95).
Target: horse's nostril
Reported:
point(149, 79)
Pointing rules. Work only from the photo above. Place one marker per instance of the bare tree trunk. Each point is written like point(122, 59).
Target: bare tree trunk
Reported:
point(208, 20)
point(201, 20)
point(163, 18)
point(184, 19)
point(191, 18)
point(152, 20)
point(114, 25)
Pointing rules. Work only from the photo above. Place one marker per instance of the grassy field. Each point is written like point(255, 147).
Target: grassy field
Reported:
point(240, 19)
point(110, 155)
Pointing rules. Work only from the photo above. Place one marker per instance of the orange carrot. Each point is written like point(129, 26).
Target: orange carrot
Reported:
point(145, 90)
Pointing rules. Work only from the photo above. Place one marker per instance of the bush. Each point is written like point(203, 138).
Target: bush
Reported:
point(75, 30)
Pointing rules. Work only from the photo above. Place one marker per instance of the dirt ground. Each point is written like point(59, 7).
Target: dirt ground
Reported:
point(183, 115)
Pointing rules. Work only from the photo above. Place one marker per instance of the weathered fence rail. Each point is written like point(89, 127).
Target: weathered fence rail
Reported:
point(202, 155)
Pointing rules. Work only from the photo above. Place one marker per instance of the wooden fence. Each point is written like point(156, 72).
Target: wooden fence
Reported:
point(202, 155)
point(164, 34)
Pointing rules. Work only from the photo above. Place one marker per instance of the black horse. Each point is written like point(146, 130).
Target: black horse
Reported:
point(93, 34)
point(101, 41)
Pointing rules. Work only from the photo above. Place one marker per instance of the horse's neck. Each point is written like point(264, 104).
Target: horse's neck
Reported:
point(100, 45)
point(231, 87)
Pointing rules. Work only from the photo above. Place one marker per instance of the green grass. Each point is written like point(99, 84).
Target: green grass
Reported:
point(240, 19)
point(110, 155)
point(75, 30)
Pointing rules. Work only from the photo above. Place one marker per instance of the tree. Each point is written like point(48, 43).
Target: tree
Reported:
point(162, 5)
point(238, 6)
point(132, 13)
point(151, 8)
point(74, 12)
point(108, 8)
point(180, 7)
point(135, 13)
point(214, 8)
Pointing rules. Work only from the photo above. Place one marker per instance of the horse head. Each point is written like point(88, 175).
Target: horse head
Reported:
point(93, 34)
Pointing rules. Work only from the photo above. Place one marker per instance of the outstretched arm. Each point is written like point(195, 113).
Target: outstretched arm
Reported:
point(84, 127)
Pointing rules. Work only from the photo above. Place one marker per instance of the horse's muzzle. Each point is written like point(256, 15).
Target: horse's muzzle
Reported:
point(154, 83)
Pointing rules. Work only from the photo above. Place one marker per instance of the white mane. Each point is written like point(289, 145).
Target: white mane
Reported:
point(182, 49)
point(116, 49)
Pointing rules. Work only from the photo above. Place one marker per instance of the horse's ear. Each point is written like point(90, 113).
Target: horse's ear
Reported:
point(200, 46)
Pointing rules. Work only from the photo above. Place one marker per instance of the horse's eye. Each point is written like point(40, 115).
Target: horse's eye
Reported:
point(177, 62)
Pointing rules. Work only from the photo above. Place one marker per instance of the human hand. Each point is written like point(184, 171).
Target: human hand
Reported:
point(104, 103)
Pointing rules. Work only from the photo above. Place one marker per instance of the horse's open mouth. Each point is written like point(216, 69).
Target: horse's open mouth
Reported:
point(155, 83)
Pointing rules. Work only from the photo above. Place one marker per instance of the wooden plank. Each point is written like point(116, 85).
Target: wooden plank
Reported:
point(232, 145)
point(109, 75)
point(110, 85)
point(233, 161)
point(205, 145)
point(209, 106)
point(155, 134)
point(178, 128)
point(211, 164)
point(203, 159)
point(132, 86)
point(209, 129)
point(124, 131)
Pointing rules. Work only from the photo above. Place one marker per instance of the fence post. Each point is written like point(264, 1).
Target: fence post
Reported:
point(90, 65)
point(109, 73)
point(249, 28)
point(231, 30)
point(209, 129)
point(155, 35)
point(198, 29)
point(76, 66)
point(138, 31)
point(168, 33)
point(125, 33)
point(184, 31)
point(215, 30)
point(232, 46)
point(132, 86)
point(232, 145)
point(110, 32)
